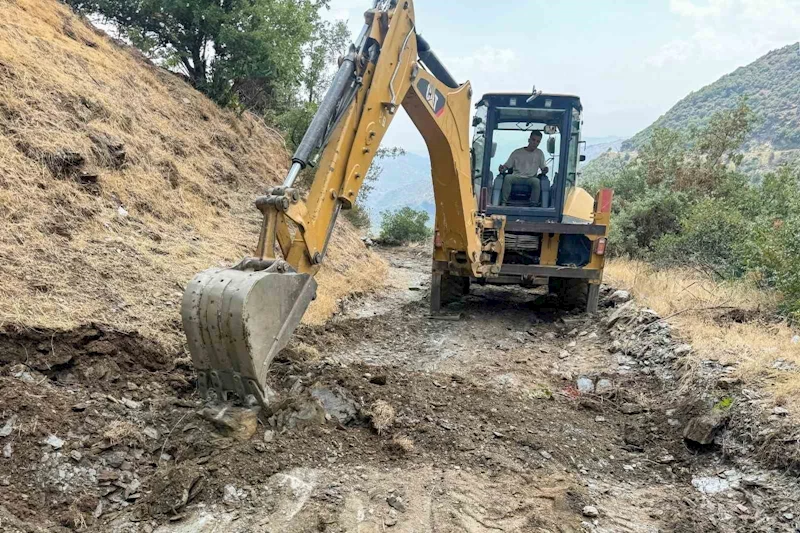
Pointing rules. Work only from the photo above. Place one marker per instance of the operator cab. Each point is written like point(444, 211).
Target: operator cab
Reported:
point(504, 123)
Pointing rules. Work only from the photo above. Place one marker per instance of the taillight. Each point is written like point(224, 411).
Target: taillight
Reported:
point(600, 246)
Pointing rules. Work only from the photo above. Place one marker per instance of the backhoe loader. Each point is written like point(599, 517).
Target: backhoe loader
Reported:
point(237, 319)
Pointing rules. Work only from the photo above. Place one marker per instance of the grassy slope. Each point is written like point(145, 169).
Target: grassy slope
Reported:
point(694, 303)
point(68, 253)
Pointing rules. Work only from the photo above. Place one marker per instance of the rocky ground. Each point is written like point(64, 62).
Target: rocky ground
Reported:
point(510, 415)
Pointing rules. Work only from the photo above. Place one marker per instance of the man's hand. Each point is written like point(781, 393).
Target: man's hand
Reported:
point(545, 170)
point(503, 168)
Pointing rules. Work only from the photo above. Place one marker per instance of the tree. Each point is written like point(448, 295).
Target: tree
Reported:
point(245, 51)
point(404, 225)
point(329, 42)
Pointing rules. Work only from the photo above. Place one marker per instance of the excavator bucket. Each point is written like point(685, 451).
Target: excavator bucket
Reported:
point(236, 321)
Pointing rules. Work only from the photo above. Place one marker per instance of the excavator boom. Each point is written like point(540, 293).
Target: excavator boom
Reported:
point(236, 320)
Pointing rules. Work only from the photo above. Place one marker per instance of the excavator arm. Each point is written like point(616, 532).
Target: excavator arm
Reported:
point(236, 320)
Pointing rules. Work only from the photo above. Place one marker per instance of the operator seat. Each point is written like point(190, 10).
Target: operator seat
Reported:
point(521, 196)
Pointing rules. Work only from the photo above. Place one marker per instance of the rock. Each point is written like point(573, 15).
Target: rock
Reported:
point(620, 297)
point(711, 484)
point(682, 350)
point(115, 459)
point(8, 427)
point(151, 432)
point(545, 454)
point(604, 387)
point(8, 450)
point(122, 212)
point(796, 339)
point(585, 385)
point(727, 383)
point(572, 344)
point(563, 354)
point(788, 517)
point(593, 335)
point(230, 495)
point(599, 419)
point(76, 455)
point(550, 336)
point(131, 404)
point(269, 435)
point(390, 521)
point(54, 442)
point(667, 459)
point(80, 407)
point(337, 403)
point(703, 429)
point(235, 422)
point(624, 311)
point(780, 411)
point(395, 502)
point(590, 511)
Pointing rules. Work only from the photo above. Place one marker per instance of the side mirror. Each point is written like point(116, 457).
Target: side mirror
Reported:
point(476, 121)
point(583, 158)
point(494, 149)
point(551, 145)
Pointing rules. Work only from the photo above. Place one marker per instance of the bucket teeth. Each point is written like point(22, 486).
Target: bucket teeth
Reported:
point(236, 322)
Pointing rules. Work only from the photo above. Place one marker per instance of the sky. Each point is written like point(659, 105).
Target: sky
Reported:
point(628, 60)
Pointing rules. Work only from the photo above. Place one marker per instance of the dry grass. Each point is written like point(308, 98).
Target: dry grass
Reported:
point(71, 101)
point(381, 415)
point(122, 431)
point(403, 444)
point(694, 303)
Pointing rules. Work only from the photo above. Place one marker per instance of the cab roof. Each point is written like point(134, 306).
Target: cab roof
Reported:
point(522, 97)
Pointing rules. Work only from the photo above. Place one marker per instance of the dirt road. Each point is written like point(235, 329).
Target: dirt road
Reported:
point(518, 417)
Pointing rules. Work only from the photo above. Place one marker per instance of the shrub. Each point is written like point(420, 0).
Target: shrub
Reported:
point(404, 225)
point(711, 236)
point(637, 227)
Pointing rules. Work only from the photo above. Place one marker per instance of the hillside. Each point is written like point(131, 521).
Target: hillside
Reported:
point(119, 182)
point(772, 87)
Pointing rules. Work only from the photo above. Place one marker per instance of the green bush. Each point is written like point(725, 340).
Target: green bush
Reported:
point(637, 226)
point(711, 236)
point(684, 200)
point(404, 225)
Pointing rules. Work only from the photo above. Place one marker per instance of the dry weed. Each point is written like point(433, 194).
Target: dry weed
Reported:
point(122, 431)
point(403, 444)
point(762, 350)
point(381, 415)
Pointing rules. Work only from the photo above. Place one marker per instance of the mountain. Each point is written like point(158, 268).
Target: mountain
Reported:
point(597, 146)
point(404, 181)
point(771, 85)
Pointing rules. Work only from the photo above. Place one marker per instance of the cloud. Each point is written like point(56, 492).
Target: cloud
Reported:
point(485, 60)
point(730, 29)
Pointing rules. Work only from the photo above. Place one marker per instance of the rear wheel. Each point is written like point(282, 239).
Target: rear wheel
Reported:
point(571, 293)
point(446, 289)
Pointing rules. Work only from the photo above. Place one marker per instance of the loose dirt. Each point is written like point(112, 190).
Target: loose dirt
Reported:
point(518, 417)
